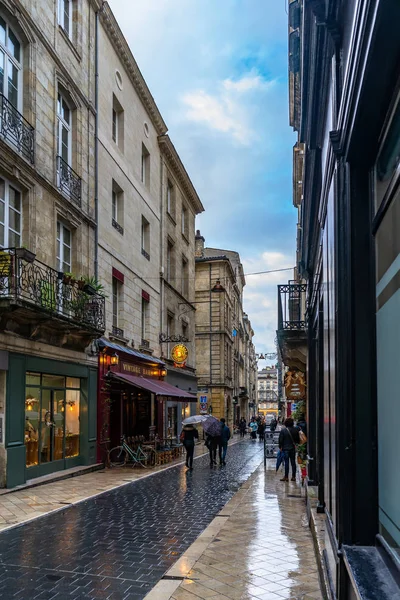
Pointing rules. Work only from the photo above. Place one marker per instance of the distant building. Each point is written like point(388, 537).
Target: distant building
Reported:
point(268, 399)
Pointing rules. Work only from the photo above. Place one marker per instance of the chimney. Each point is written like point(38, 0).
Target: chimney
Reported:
point(199, 245)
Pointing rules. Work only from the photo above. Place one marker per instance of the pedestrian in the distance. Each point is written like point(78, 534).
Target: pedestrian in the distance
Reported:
point(212, 443)
point(273, 424)
point(188, 436)
point(253, 428)
point(242, 427)
point(261, 430)
point(288, 438)
point(223, 445)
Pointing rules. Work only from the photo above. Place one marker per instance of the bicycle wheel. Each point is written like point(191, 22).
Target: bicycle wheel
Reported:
point(117, 456)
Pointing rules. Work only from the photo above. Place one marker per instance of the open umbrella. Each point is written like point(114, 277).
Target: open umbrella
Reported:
point(195, 419)
point(212, 426)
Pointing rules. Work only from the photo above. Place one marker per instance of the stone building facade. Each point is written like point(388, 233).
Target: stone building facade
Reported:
point(47, 233)
point(268, 396)
point(222, 365)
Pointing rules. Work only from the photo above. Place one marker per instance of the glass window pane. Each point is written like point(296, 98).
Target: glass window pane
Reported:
point(2, 211)
point(14, 198)
point(12, 84)
point(14, 220)
point(67, 255)
point(2, 189)
point(2, 32)
point(72, 423)
point(73, 382)
point(14, 45)
point(1, 73)
point(32, 424)
point(53, 381)
point(33, 378)
point(66, 15)
point(2, 236)
point(66, 112)
point(64, 143)
point(67, 236)
point(14, 239)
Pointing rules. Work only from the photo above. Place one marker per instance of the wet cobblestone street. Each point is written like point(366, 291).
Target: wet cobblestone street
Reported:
point(118, 545)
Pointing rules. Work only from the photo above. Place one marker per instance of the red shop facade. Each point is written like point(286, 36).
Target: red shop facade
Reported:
point(132, 395)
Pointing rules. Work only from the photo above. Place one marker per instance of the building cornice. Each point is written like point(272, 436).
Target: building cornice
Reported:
point(119, 42)
point(169, 151)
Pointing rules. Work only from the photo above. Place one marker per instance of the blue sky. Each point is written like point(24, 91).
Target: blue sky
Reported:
point(218, 72)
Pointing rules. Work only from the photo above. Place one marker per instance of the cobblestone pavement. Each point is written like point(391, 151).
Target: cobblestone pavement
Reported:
point(263, 551)
point(117, 545)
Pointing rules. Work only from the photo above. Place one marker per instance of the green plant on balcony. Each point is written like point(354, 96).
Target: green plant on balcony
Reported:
point(93, 286)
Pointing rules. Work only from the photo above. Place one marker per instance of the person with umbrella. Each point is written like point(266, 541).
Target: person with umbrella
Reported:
point(188, 436)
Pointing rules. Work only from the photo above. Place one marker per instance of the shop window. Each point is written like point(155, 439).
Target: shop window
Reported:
point(52, 409)
point(10, 215)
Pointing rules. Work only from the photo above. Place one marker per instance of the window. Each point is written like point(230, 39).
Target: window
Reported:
point(185, 329)
point(116, 305)
point(145, 168)
point(185, 224)
point(10, 65)
point(170, 328)
point(170, 199)
point(185, 277)
point(65, 16)
point(117, 207)
point(170, 262)
point(64, 254)
point(118, 123)
point(10, 215)
point(64, 123)
point(145, 238)
point(145, 322)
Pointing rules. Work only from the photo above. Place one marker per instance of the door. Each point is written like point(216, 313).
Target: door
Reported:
point(52, 425)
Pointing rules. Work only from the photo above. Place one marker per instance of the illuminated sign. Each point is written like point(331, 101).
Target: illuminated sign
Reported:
point(179, 354)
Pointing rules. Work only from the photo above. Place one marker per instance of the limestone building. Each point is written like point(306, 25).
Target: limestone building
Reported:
point(268, 397)
point(49, 314)
point(223, 352)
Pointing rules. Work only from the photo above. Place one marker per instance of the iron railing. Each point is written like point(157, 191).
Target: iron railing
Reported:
point(145, 343)
point(117, 331)
point(145, 254)
point(69, 182)
point(27, 281)
point(292, 306)
point(117, 226)
point(16, 130)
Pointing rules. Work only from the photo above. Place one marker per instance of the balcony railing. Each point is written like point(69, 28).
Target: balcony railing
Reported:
point(16, 130)
point(292, 306)
point(145, 343)
point(68, 182)
point(117, 331)
point(30, 283)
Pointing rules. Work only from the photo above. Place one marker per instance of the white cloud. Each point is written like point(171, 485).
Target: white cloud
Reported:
point(249, 82)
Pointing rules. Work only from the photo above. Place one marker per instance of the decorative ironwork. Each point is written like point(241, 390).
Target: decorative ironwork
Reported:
point(145, 254)
point(292, 306)
point(34, 283)
point(117, 226)
point(145, 344)
point(69, 182)
point(16, 130)
point(163, 338)
point(117, 331)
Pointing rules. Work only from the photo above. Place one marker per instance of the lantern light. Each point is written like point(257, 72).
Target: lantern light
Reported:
point(114, 359)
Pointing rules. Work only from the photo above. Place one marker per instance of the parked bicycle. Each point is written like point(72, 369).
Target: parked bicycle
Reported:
point(124, 454)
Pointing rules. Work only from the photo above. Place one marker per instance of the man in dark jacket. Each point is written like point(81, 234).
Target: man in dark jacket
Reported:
point(223, 444)
point(189, 434)
point(288, 438)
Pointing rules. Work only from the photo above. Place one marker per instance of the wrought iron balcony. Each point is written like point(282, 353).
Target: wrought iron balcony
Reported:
point(117, 331)
point(68, 182)
point(33, 296)
point(292, 306)
point(145, 344)
point(16, 130)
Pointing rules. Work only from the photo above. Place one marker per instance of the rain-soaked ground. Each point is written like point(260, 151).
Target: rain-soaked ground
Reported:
point(118, 545)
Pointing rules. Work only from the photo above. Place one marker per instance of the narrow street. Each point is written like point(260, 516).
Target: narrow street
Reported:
point(119, 544)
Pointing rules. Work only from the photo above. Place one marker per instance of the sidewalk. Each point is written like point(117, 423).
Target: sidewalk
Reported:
point(259, 547)
point(23, 505)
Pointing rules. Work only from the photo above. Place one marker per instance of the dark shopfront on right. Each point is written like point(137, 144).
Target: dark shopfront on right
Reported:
point(344, 81)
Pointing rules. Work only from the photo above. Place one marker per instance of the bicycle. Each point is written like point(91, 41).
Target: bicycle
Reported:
point(123, 454)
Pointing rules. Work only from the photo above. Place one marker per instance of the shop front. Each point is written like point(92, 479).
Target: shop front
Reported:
point(178, 410)
point(134, 400)
point(50, 417)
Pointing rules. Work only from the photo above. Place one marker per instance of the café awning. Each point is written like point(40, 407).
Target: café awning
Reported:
point(159, 388)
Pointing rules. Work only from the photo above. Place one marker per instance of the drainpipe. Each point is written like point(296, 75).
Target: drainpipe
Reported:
point(210, 332)
point(96, 149)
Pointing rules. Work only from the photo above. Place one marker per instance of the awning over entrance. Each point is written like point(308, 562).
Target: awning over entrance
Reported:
point(104, 343)
point(159, 388)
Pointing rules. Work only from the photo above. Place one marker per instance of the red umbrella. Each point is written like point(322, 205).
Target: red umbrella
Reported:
point(212, 426)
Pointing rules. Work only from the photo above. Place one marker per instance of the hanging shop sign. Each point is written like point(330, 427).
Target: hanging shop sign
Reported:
point(203, 405)
point(295, 385)
point(179, 355)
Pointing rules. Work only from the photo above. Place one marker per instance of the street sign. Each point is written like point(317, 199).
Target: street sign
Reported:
point(203, 405)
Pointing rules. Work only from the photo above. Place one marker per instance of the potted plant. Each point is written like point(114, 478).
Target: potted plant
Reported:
point(67, 277)
point(81, 283)
point(25, 254)
point(92, 286)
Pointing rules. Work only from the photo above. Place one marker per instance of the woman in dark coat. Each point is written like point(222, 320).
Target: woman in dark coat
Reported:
point(288, 438)
point(261, 430)
point(242, 427)
point(188, 436)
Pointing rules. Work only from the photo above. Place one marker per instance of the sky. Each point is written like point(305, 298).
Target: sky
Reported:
point(218, 72)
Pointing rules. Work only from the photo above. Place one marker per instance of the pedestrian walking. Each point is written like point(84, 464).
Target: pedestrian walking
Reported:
point(253, 428)
point(224, 439)
point(242, 427)
point(288, 438)
point(188, 436)
point(212, 443)
point(273, 424)
point(261, 430)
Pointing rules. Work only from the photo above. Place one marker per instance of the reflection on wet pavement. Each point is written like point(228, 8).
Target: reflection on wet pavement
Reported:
point(118, 545)
point(263, 551)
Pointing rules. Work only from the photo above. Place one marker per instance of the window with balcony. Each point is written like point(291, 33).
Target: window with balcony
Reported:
point(118, 123)
point(145, 167)
point(65, 16)
point(64, 248)
point(69, 183)
point(145, 236)
point(117, 207)
point(10, 215)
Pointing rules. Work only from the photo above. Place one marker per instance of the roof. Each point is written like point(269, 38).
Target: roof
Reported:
point(105, 343)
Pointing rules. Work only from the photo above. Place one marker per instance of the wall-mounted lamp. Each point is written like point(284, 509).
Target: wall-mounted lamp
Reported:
point(218, 287)
point(163, 372)
point(114, 359)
